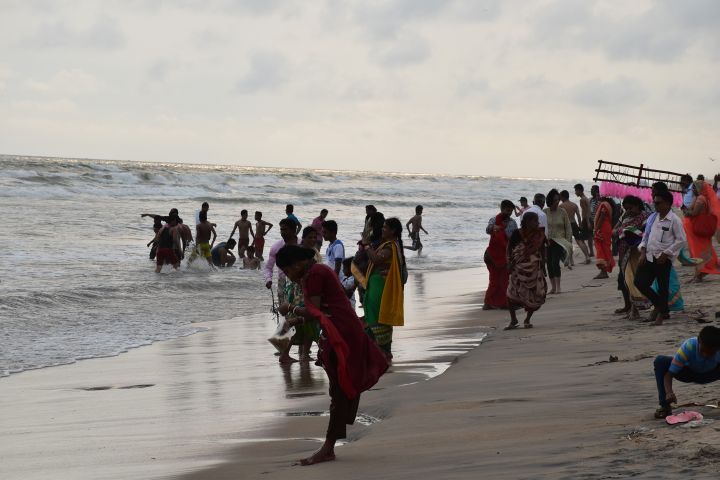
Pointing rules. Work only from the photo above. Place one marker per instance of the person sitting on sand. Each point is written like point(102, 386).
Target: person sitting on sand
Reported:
point(500, 228)
point(526, 263)
point(222, 255)
point(602, 237)
point(351, 361)
point(664, 237)
point(559, 236)
point(696, 361)
point(251, 262)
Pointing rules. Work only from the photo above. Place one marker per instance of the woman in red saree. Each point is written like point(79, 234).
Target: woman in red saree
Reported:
point(603, 237)
point(352, 361)
point(701, 222)
point(500, 229)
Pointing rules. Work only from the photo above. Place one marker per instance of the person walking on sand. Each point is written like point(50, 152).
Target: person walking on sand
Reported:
point(559, 237)
point(586, 221)
point(289, 209)
point(602, 236)
point(414, 226)
point(696, 361)
point(261, 229)
point(351, 361)
point(573, 213)
point(629, 233)
point(317, 225)
point(663, 239)
point(526, 263)
point(701, 222)
point(245, 230)
point(500, 228)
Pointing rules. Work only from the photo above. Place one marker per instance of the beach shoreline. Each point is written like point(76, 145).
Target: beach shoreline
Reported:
point(547, 402)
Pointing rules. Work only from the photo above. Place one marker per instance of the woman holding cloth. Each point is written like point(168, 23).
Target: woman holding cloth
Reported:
point(353, 363)
point(603, 237)
point(384, 297)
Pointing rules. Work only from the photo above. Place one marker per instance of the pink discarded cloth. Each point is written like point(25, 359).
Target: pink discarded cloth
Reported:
point(684, 417)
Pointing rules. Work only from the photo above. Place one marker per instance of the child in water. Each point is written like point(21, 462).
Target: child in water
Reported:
point(251, 262)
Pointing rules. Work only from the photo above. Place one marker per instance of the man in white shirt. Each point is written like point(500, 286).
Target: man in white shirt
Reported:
point(663, 239)
point(335, 252)
point(537, 208)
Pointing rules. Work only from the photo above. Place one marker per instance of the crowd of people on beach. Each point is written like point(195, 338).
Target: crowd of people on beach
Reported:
point(646, 238)
point(315, 293)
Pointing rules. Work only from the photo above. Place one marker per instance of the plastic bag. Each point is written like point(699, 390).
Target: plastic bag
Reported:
point(282, 337)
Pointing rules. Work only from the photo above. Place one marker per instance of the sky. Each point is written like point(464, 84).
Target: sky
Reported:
point(530, 88)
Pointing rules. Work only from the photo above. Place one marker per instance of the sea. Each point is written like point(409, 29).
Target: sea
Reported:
point(75, 278)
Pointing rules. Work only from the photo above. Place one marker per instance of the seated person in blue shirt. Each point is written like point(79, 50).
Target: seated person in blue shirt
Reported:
point(696, 361)
point(222, 255)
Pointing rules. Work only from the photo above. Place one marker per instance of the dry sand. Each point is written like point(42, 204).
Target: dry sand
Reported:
point(537, 403)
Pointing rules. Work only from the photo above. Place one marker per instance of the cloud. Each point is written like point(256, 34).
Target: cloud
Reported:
point(268, 71)
point(66, 82)
point(619, 94)
point(103, 34)
point(408, 49)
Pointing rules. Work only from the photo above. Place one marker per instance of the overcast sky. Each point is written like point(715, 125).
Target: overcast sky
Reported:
point(538, 88)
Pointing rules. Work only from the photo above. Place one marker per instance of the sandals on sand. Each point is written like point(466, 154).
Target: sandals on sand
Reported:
point(512, 326)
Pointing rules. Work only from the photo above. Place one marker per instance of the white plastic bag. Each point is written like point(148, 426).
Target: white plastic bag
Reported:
point(281, 338)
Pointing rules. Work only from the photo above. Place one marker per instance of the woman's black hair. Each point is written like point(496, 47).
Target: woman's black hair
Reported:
point(527, 216)
point(307, 231)
point(506, 204)
point(377, 220)
point(394, 224)
point(710, 336)
point(551, 196)
point(632, 200)
point(291, 254)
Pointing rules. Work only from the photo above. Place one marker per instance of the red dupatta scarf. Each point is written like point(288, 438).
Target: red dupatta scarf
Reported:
point(497, 248)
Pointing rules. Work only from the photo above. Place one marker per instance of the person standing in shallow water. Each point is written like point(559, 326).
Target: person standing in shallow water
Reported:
point(351, 361)
point(500, 228)
point(526, 263)
point(414, 226)
point(384, 297)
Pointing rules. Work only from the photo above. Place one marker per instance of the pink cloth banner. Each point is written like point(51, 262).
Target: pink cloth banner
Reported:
point(617, 190)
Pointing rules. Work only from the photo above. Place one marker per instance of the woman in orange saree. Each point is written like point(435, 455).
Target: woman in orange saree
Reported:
point(603, 238)
point(701, 222)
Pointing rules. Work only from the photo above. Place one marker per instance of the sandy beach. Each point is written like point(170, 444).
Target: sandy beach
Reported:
point(526, 404)
point(537, 403)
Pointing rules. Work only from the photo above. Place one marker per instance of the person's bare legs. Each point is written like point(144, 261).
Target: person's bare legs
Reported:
point(601, 275)
point(285, 357)
point(554, 282)
point(527, 323)
point(584, 249)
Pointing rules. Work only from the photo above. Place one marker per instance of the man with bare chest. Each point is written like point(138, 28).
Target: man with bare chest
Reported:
point(573, 213)
point(586, 220)
point(245, 230)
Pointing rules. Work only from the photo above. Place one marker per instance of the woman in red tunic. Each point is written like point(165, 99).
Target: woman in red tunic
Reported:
point(500, 229)
point(701, 222)
point(352, 361)
point(603, 237)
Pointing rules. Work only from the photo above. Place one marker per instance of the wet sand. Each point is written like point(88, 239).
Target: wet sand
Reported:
point(191, 403)
point(545, 402)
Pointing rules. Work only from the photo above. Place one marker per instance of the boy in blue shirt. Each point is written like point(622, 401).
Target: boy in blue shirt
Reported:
point(696, 361)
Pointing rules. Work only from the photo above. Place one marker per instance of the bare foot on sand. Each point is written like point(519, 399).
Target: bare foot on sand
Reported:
point(600, 276)
point(286, 359)
point(317, 457)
